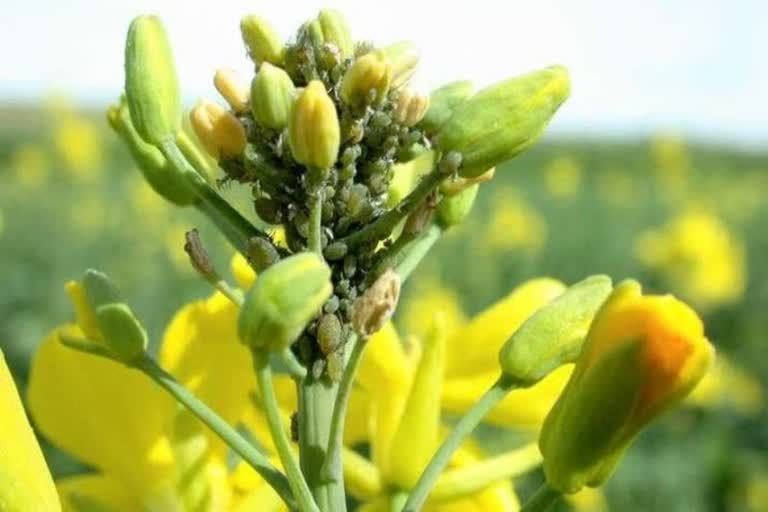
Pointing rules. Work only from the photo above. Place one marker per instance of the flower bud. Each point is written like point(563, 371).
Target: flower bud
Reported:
point(162, 177)
point(263, 43)
point(285, 297)
point(272, 94)
point(456, 185)
point(554, 335)
point(151, 84)
point(411, 107)
point(453, 210)
point(376, 306)
point(26, 481)
point(232, 88)
point(642, 355)
point(221, 133)
point(503, 120)
point(404, 57)
point(371, 72)
point(313, 127)
point(105, 319)
point(443, 101)
point(335, 31)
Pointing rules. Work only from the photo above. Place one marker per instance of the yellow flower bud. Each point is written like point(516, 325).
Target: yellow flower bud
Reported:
point(443, 101)
point(283, 300)
point(272, 94)
point(25, 482)
point(503, 120)
point(220, 132)
point(367, 80)
point(554, 335)
point(232, 88)
point(453, 210)
point(336, 31)
point(456, 185)
point(404, 57)
point(643, 354)
point(262, 41)
point(411, 107)
point(313, 127)
point(151, 84)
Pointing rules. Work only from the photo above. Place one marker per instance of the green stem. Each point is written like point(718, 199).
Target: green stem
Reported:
point(332, 469)
point(316, 399)
point(461, 430)
point(233, 294)
point(543, 500)
point(383, 226)
point(291, 364)
point(397, 501)
point(236, 228)
point(238, 443)
point(272, 411)
point(314, 238)
point(415, 251)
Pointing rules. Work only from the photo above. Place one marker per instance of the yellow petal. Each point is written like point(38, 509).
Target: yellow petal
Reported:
point(588, 500)
point(522, 408)
point(103, 413)
point(242, 271)
point(97, 490)
point(25, 482)
point(357, 424)
point(202, 350)
point(416, 437)
point(475, 348)
point(361, 478)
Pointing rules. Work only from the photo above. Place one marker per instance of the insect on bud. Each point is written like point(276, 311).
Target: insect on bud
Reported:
point(377, 304)
point(335, 31)
point(220, 132)
point(272, 94)
point(367, 80)
point(262, 41)
point(411, 107)
point(233, 88)
point(404, 57)
point(313, 128)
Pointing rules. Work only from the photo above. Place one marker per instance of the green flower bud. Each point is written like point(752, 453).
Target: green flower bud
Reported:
point(335, 31)
point(285, 297)
point(404, 57)
point(164, 179)
point(232, 88)
point(122, 331)
point(262, 41)
point(503, 120)
point(313, 127)
point(151, 85)
point(220, 132)
point(443, 101)
point(272, 94)
point(453, 210)
point(371, 72)
point(554, 335)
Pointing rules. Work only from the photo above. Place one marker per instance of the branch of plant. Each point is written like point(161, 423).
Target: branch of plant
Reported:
point(544, 499)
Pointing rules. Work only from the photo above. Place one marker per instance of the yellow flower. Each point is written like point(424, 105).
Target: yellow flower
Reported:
point(672, 164)
point(78, 145)
point(699, 257)
point(30, 163)
point(514, 223)
point(562, 177)
point(25, 482)
point(727, 385)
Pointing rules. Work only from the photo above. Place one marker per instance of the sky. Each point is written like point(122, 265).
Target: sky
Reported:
point(697, 68)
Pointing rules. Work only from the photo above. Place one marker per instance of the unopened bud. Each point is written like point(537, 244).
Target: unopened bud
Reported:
point(262, 41)
point(335, 31)
point(220, 132)
point(151, 84)
point(404, 57)
point(313, 128)
point(411, 107)
point(377, 304)
point(272, 94)
point(503, 120)
point(367, 80)
point(443, 101)
point(232, 88)
point(285, 297)
point(453, 210)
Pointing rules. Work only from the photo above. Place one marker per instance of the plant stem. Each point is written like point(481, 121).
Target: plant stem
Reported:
point(236, 228)
point(543, 500)
point(316, 399)
point(397, 501)
point(332, 469)
point(413, 252)
point(234, 440)
point(272, 411)
point(383, 226)
point(314, 238)
point(461, 430)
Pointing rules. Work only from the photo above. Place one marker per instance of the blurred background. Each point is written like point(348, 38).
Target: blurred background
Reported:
point(656, 168)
